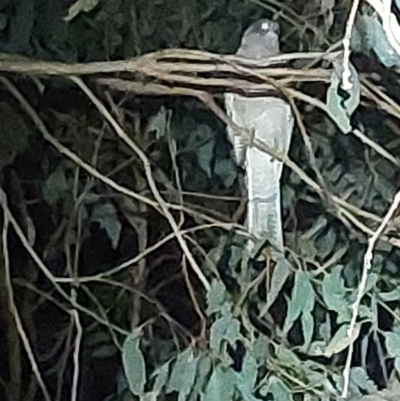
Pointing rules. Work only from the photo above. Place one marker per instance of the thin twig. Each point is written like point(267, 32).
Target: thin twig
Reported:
point(149, 175)
point(368, 257)
point(78, 341)
point(13, 307)
point(25, 242)
point(346, 74)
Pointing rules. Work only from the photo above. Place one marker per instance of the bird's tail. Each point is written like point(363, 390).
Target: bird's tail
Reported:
point(264, 204)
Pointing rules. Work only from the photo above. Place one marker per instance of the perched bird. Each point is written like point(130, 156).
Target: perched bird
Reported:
point(270, 120)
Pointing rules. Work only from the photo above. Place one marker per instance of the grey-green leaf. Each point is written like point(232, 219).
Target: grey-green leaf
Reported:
point(359, 379)
point(159, 123)
point(371, 30)
point(341, 340)
point(278, 389)
point(221, 386)
point(303, 299)
point(183, 374)
point(205, 155)
point(392, 340)
point(161, 377)
point(248, 375)
point(106, 216)
point(216, 297)
point(226, 170)
point(80, 6)
point(134, 364)
point(278, 280)
point(225, 328)
point(340, 108)
point(335, 294)
point(56, 186)
point(307, 324)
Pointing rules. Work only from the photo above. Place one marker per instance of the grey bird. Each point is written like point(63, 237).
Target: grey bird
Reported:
point(270, 120)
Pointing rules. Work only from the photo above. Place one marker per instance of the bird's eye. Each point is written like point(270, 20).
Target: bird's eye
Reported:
point(265, 26)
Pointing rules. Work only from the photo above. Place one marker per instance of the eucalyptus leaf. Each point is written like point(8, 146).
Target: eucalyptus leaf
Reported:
point(302, 300)
point(159, 123)
point(247, 377)
point(106, 216)
point(278, 389)
point(335, 293)
point(183, 374)
point(226, 170)
point(341, 340)
point(397, 364)
point(221, 386)
point(80, 6)
point(359, 380)
point(203, 370)
point(288, 358)
point(14, 133)
point(279, 277)
point(134, 364)
point(390, 296)
point(161, 375)
point(205, 156)
point(56, 186)
point(226, 328)
point(307, 324)
point(104, 351)
point(392, 340)
point(341, 103)
point(374, 37)
point(216, 297)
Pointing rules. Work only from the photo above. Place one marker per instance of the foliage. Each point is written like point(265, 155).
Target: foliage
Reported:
point(113, 265)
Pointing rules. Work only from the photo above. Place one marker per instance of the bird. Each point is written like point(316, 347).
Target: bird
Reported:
point(270, 120)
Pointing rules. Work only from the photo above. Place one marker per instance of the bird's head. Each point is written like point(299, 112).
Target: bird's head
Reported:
point(260, 40)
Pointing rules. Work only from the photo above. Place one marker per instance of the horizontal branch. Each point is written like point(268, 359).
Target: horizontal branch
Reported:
point(177, 65)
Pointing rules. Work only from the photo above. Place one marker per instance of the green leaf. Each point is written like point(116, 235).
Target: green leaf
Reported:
point(236, 256)
point(342, 104)
point(225, 328)
point(373, 35)
point(335, 294)
point(161, 374)
point(341, 340)
point(80, 6)
point(392, 340)
point(205, 156)
point(278, 389)
point(317, 348)
point(221, 386)
point(397, 364)
point(307, 324)
point(151, 396)
point(278, 280)
point(106, 215)
point(14, 132)
point(390, 296)
point(202, 376)
point(56, 186)
point(104, 351)
point(160, 123)
point(303, 299)
point(226, 170)
point(288, 358)
point(326, 243)
point(260, 350)
point(183, 374)
point(360, 380)
point(216, 297)
point(248, 375)
point(134, 364)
